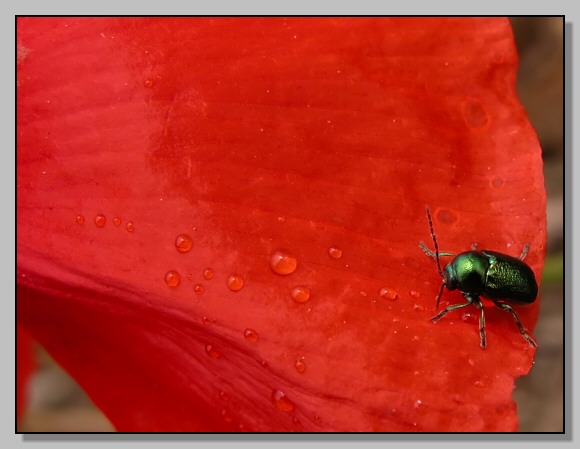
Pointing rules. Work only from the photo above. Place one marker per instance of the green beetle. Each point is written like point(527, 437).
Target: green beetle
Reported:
point(501, 278)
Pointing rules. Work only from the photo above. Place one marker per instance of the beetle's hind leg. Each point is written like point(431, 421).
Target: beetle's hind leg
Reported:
point(432, 254)
point(510, 309)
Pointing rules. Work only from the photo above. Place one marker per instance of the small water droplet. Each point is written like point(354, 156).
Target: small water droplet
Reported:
point(208, 274)
point(226, 416)
point(212, 352)
point(263, 364)
point(335, 253)
point(418, 403)
point(300, 365)
point(80, 219)
point(419, 308)
point(183, 243)
point(468, 317)
point(471, 361)
point(224, 396)
point(235, 282)
point(100, 221)
point(388, 293)
point(130, 226)
point(282, 262)
point(251, 335)
point(148, 83)
point(172, 278)
point(116, 221)
point(497, 182)
point(205, 320)
point(301, 294)
point(281, 401)
point(198, 289)
point(479, 384)
point(414, 293)
point(415, 338)
point(189, 276)
point(363, 293)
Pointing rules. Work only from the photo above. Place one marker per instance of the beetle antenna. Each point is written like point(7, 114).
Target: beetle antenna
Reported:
point(436, 246)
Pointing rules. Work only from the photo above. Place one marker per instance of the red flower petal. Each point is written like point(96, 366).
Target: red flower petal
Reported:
point(298, 154)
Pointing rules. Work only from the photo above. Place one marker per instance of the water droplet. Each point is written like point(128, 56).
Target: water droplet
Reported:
point(419, 308)
point(208, 274)
point(479, 384)
point(471, 361)
point(100, 221)
point(189, 276)
point(418, 403)
point(226, 416)
point(172, 278)
point(497, 182)
point(205, 320)
point(301, 294)
point(212, 352)
point(283, 262)
point(300, 365)
point(148, 83)
point(235, 282)
point(468, 317)
point(388, 293)
point(80, 219)
point(116, 221)
point(334, 252)
point(281, 401)
point(414, 293)
point(183, 243)
point(363, 293)
point(199, 289)
point(263, 364)
point(224, 396)
point(130, 226)
point(475, 114)
point(281, 219)
point(251, 335)
point(415, 338)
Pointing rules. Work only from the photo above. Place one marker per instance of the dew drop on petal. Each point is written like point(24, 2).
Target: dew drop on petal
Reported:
point(130, 226)
point(300, 365)
point(205, 320)
point(208, 274)
point(212, 352)
point(281, 401)
point(198, 289)
point(414, 293)
point(300, 294)
point(334, 252)
point(183, 243)
point(235, 282)
point(418, 308)
point(172, 278)
point(251, 335)
point(116, 221)
point(80, 219)
point(388, 293)
point(283, 262)
point(100, 220)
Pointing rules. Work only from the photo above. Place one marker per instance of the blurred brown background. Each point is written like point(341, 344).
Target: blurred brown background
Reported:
point(58, 404)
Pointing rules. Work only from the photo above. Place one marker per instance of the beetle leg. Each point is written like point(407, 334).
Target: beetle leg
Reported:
point(510, 309)
point(525, 251)
point(431, 253)
point(477, 303)
point(449, 309)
